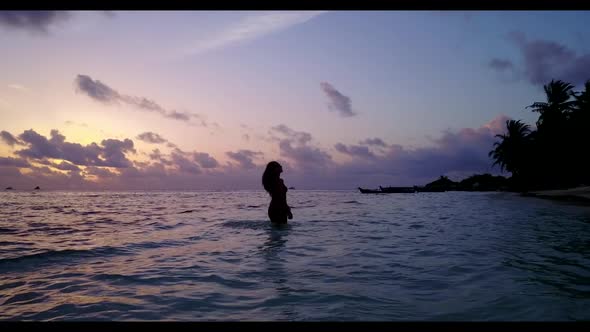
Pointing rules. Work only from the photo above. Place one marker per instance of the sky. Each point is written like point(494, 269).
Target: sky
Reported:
point(191, 100)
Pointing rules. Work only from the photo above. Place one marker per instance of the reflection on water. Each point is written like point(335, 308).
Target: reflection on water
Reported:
point(275, 267)
point(345, 256)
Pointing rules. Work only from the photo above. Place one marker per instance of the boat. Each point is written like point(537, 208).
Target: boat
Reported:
point(429, 190)
point(370, 191)
point(8, 188)
point(388, 190)
point(397, 190)
point(37, 188)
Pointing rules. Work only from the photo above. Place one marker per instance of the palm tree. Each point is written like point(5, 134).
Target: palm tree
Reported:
point(578, 134)
point(558, 104)
point(582, 101)
point(508, 153)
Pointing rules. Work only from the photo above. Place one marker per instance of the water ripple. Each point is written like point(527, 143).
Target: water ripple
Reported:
point(345, 256)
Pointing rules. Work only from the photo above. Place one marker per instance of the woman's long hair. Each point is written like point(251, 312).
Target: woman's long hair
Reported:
point(270, 176)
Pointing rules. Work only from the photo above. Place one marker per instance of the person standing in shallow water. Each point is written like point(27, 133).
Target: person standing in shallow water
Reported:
point(278, 210)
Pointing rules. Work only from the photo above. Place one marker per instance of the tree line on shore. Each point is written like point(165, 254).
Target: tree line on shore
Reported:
point(555, 155)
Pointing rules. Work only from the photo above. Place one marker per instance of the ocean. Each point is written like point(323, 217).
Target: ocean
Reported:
point(346, 256)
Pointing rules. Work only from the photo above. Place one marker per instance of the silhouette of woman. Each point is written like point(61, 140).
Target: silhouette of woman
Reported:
point(278, 210)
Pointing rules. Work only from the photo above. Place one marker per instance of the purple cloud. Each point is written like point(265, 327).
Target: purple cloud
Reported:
point(110, 153)
point(299, 137)
point(183, 164)
point(13, 162)
point(338, 102)
point(304, 156)
point(101, 92)
point(32, 20)
point(244, 157)
point(114, 152)
point(9, 139)
point(501, 64)
point(454, 153)
point(295, 146)
point(100, 172)
point(96, 90)
point(545, 60)
point(373, 141)
point(156, 155)
point(205, 160)
point(150, 137)
point(356, 151)
point(66, 166)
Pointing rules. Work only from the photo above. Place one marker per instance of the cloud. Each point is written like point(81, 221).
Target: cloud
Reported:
point(357, 151)
point(114, 152)
point(110, 152)
point(304, 155)
point(13, 162)
point(295, 146)
point(459, 153)
point(300, 137)
point(100, 172)
point(96, 90)
point(205, 160)
point(183, 164)
point(156, 155)
point(252, 27)
point(9, 139)
point(374, 141)
point(66, 166)
point(500, 64)
point(544, 60)
point(456, 153)
point(32, 20)
point(178, 116)
point(338, 102)
point(150, 137)
point(103, 93)
point(244, 157)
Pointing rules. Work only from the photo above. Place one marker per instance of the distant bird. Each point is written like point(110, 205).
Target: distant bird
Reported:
point(37, 188)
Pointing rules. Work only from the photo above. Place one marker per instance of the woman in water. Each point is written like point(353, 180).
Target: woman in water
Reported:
point(278, 211)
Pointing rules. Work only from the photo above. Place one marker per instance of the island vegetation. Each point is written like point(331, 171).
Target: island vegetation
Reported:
point(554, 155)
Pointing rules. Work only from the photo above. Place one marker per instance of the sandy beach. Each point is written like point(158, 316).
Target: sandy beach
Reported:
point(579, 194)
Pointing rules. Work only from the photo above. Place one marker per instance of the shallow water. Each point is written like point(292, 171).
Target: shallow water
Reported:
point(345, 256)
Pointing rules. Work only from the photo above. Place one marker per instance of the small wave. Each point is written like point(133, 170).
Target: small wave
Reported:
point(156, 244)
point(245, 224)
point(25, 298)
point(352, 202)
point(187, 211)
point(85, 213)
point(246, 207)
point(58, 254)
point(7, 230)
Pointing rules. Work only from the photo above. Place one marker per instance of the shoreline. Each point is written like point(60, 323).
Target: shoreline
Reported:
point(578, 194)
